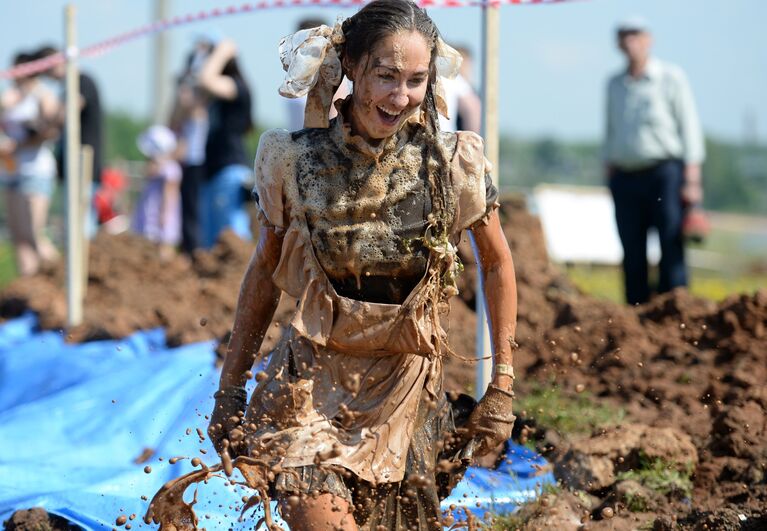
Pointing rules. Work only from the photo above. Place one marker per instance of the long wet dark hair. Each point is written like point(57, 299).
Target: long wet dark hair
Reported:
point(362, 33)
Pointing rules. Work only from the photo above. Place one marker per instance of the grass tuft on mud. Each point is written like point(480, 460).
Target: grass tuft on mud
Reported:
point(517, 519)
point(661, 477)
point(567, 414)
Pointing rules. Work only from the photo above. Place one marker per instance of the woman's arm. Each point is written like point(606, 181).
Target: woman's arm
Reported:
point(500, 289)
point(210, 77)
point(491, 422)
point(255, 308)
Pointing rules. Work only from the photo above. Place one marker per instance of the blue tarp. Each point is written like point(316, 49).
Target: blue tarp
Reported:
point(74, 418)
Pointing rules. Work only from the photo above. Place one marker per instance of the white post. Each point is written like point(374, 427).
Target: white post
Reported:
point(161, 83)
point(490, 33)
point(72, 174)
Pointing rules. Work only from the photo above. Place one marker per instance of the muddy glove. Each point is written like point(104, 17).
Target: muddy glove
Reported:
point(231, 403)
point(491, 421)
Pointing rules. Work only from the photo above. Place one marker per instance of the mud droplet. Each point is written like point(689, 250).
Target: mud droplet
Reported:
point(608, 512)
point(196, 461)
point(580, 388)
point(248, 375)
point(121, 520)
point(147, 469)
point(261, 376)
point(203, 321)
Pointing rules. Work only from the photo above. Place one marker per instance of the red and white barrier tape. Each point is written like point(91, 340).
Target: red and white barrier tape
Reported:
point(102, 47)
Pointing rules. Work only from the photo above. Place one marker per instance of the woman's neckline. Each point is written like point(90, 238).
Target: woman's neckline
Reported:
point(341, 132)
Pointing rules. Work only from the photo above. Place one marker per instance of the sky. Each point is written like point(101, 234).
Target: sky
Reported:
point(554, 59)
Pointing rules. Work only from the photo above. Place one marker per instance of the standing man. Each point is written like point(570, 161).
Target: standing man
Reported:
point(653, 153)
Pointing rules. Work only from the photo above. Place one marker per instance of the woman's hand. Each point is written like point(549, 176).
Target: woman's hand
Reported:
point(492, 420)
point(228, 413)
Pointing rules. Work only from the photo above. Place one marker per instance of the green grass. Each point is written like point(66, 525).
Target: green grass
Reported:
point(566, 414)
point(606, 282)
point(505, 522)
point(661, 477)
point(7, 264)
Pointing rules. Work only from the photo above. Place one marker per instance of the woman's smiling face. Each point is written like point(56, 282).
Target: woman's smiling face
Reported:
point(389, 85)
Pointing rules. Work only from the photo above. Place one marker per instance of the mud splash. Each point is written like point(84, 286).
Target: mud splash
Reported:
point(169, 509)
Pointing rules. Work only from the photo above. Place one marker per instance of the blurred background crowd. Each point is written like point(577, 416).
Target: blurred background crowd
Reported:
point(173, 163)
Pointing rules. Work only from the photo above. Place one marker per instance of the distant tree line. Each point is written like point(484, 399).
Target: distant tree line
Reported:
point(735, 175)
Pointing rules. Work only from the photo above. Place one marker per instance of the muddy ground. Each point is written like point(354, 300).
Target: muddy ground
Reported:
point(690, 374)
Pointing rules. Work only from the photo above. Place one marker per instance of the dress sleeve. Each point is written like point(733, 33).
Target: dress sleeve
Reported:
point(476, 196)
point(270, 169)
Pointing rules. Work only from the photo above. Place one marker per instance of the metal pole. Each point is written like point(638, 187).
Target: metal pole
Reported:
point(161, 83)
point(72, 175)
point(490, 49)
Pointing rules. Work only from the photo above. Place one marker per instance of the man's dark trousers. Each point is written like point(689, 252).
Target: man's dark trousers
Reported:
point(190, 207)
point(643, 199)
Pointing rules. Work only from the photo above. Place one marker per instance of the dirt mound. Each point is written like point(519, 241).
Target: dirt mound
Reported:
point(677, 362)
point(37, 519)
point(593, 463)
point(130, 288)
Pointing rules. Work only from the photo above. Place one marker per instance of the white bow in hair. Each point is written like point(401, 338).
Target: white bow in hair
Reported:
point(313, 67)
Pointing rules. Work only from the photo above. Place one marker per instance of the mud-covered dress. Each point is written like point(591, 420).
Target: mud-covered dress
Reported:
point(353, 402)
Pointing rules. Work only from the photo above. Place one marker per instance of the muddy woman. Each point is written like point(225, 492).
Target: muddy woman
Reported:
point(349, 426)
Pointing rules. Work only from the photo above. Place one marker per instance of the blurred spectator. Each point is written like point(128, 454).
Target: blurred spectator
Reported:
point(653, 153)
point(107, 199)
point(295, 106)
point(27, 120)
point(227, 167)
point(91, 119)
point(463, 103)
point(190, 122)
point(158, 212)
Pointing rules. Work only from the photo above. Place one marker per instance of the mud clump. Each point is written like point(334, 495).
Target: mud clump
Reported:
point(678, 362)
point(37, 519)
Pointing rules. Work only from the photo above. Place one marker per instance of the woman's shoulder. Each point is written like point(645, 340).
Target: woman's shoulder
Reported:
point(452, 139)
point(274, 139)
point(466, 145)
point(279, 146)
point(274, 148)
